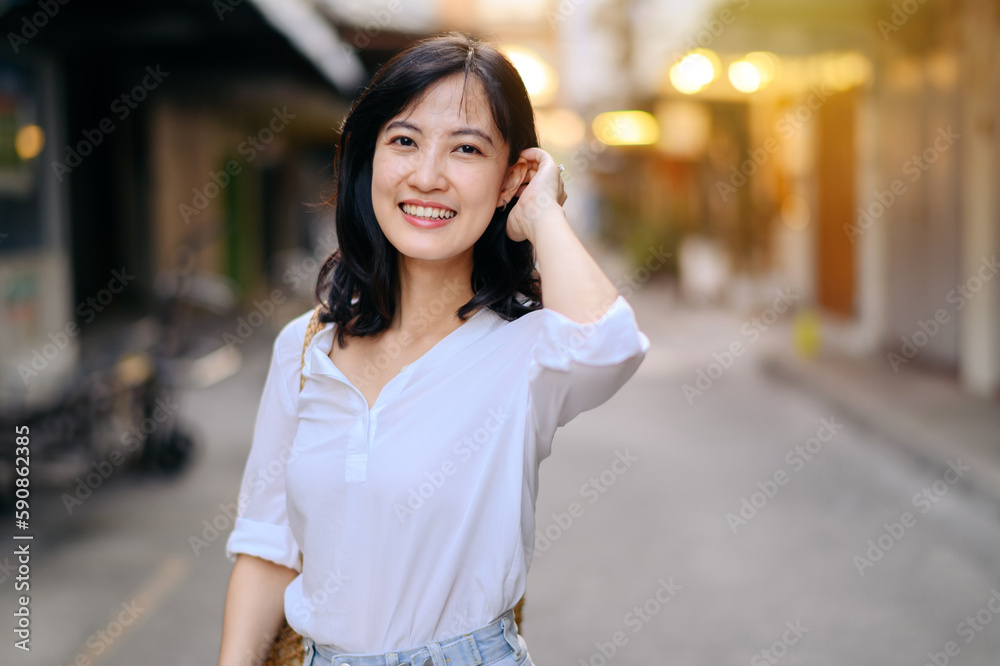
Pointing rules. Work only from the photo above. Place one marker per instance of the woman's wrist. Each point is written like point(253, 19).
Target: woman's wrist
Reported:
point(541, 219)
point(573, 284)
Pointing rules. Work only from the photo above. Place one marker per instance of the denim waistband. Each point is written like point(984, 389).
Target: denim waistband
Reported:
point(480, 646)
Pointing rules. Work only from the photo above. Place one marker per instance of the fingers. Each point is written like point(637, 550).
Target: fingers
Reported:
point(528, 176)
point(536, 155)
point(538, 160)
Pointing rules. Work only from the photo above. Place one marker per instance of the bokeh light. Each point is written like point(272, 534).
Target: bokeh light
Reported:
point(766, 64)
point(539, 78)
point(695, 71)
point(744, 76)
point(29, 141)
point(626, 128)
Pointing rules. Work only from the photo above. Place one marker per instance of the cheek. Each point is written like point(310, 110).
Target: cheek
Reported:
point(379, 172)
point(385, 186)
point(383, 191)
point(483, 187)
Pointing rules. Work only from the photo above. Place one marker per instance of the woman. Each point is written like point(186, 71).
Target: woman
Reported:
point(387, 507)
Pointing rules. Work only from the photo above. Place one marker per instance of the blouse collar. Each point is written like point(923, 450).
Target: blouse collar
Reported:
point(317, 360)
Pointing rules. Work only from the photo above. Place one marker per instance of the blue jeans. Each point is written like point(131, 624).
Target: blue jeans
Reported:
point(496, 644)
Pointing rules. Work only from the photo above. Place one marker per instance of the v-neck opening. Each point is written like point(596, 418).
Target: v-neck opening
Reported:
point(396, 382)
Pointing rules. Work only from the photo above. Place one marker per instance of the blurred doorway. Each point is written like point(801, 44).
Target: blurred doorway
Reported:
point(836, 159)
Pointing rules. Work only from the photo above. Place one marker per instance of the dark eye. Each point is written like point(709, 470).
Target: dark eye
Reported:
point(468, 149)
point(403, 141)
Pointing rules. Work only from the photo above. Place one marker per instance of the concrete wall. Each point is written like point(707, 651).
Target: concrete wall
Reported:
point(923, 223)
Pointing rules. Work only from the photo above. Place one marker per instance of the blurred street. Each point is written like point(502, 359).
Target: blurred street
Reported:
point(639, 552)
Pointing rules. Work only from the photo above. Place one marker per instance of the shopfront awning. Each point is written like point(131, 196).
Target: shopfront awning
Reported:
point(314, 37)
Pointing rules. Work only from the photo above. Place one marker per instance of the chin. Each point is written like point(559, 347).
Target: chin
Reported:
point(439, 244)
point(432, 254)
point(428, 249)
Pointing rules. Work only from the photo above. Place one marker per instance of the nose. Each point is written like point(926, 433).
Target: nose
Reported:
point(427, 173)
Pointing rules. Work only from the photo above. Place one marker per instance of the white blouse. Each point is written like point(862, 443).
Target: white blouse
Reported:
point(416, 520)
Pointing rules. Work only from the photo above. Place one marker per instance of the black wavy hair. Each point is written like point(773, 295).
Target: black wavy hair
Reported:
point(358, 281)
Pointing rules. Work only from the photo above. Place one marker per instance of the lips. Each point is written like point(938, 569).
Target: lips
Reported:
point(428, 212)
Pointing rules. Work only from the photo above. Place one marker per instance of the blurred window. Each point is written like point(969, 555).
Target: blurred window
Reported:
point(21, 144)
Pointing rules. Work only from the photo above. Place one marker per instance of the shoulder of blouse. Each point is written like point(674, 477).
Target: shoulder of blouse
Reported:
point(289, 341)
point(611, 339)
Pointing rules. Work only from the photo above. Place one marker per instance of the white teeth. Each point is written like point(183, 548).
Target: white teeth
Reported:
point(428, 212)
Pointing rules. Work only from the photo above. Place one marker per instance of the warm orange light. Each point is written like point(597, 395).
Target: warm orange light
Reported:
point(539, 78)
point(694, 71)
point(29, 141)
point(744, 76)
point(626, 128)
point(766, 64)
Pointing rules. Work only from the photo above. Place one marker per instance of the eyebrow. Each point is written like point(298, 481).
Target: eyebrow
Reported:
point(459, 132)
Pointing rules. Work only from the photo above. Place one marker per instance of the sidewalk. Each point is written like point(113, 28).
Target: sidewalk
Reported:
point(925, 415)
point(922, 414)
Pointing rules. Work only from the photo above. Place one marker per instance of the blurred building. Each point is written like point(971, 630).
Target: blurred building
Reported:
point(846, 150)
point(138, 138)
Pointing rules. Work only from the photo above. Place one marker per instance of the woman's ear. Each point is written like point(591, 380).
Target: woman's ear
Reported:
point(512, 181)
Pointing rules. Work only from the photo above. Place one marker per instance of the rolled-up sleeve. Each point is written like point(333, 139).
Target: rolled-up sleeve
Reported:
point(576, 367)
point(261, 527)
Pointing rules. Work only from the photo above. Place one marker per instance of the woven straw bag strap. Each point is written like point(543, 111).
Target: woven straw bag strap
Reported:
point(311, 330)
point(288, 648)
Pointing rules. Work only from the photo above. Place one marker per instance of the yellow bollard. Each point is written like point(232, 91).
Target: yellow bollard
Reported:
point(806, 334)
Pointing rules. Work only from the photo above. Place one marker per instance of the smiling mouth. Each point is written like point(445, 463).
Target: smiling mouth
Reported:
point(427, 212)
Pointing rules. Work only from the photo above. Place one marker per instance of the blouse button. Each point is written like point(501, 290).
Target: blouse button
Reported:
point(428, 662)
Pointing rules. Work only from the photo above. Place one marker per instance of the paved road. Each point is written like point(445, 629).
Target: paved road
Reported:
point(650, 555)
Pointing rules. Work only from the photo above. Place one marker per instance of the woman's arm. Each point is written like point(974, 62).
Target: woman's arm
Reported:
point(254, 610)
point(262, 545)
point(572, 283)
point(589, 344)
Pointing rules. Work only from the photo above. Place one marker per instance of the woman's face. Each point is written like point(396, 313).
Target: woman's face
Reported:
point(439, 172)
